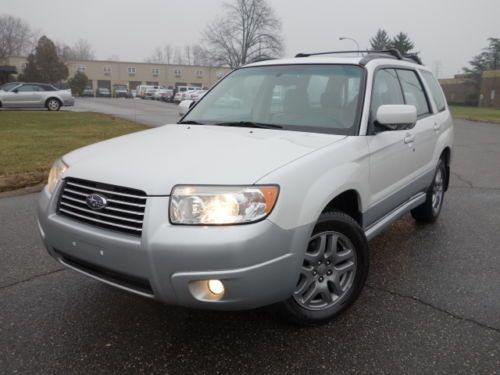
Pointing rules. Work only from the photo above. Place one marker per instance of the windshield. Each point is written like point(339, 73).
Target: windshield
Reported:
point(9, 86)
point(313, 98)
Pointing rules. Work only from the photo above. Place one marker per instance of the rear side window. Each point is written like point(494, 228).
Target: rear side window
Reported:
point(413, 91)
point(386, 90)
point(437, 94)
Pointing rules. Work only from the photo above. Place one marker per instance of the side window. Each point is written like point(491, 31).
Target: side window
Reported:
point(437, 94)
point(413, 91)
point(27, 88)
point(386, 90)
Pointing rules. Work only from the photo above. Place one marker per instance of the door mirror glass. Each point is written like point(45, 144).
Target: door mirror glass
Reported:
point(396, 116)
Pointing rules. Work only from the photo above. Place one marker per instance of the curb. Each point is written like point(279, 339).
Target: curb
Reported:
point(23, 191)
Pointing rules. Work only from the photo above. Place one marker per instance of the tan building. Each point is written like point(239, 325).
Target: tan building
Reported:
point(489, 95)
point(108, 73)
point(459, 90)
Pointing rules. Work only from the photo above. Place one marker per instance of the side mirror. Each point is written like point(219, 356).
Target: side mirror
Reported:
point(184, 106)
point(396, 117)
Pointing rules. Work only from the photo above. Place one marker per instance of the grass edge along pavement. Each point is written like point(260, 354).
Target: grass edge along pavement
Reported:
point(30, 141)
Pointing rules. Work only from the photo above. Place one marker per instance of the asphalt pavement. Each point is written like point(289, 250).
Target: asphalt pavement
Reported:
point(148, 112)
point(431, 304)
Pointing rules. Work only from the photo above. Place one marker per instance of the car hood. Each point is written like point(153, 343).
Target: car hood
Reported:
point(156, 160)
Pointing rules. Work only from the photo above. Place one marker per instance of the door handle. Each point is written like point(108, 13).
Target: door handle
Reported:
point(437, 127)
point(409, 138)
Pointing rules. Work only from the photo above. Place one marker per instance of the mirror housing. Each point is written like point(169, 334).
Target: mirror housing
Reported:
point(396, 117)
point(185, 106)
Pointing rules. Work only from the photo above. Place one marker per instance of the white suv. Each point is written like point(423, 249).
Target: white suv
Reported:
point(267, 191)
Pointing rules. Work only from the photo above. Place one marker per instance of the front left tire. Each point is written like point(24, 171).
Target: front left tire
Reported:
point(333, 272)
point(53, 104)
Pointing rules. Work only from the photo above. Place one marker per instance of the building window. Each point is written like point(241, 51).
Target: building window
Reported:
point(131, 71)
point(107, 70)
point(81, 68)
point(199, 73)
point(156, 72)
point(178, 72)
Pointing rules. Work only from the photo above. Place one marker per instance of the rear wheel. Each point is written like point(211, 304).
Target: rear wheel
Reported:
point(429, 211)
point(53, 104)
point(333, 272)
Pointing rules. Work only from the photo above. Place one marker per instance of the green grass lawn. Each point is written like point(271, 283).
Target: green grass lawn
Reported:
point(476, 113)
point(31, 140)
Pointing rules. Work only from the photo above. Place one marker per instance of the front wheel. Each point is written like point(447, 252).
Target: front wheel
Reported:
point(333, 271)
point(429, 211)
point(53, 105)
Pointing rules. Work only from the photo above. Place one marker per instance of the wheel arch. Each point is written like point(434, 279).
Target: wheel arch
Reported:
point(348, 202)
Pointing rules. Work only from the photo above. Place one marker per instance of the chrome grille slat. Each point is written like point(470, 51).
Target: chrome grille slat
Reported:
point(99, 221)
point(124, 211)
point(107, 208)
point(100, 213)
point(103, 190)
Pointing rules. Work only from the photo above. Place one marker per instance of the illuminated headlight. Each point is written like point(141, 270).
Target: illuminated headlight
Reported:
point(58, 168)
point(213, 205)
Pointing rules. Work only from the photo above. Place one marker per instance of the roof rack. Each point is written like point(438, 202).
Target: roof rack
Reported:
point(391, 53)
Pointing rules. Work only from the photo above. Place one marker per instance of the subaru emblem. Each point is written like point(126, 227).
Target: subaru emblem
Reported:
point(96, 201)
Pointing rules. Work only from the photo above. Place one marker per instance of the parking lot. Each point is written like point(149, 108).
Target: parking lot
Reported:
point(431, 304)
point(149, 112)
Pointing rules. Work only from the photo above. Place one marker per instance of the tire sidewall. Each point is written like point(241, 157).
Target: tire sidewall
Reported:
point(341, 223)
point(58, 105)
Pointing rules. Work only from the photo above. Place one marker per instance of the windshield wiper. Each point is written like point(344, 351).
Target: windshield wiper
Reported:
point(250, 124)
point(190, 122)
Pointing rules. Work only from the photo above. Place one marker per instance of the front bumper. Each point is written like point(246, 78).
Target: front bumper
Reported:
point(70, 102)
point(258, 263)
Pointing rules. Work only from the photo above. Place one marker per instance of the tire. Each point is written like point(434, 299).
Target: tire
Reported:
point(53, 104)
point(429, 211)
point(332, 276)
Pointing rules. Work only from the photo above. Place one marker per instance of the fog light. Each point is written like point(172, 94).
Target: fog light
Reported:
point(216, 287)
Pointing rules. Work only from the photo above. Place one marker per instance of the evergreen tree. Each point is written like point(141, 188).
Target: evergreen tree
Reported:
point(402, 43)
point(380, 41)
point(78, 83)
point(44, 65)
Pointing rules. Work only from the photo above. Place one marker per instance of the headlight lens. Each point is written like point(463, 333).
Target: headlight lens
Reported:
point(216, 205)
point(58, 168)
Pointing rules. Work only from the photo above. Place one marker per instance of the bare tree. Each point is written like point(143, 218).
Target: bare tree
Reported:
point(16, 37)
point(187, 54)
point(178, 56)
point(81, 50)
point(249, 31)
point(161, 55)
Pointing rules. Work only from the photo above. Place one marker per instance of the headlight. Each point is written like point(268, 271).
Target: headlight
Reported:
point(212, 205)
point(58, 168)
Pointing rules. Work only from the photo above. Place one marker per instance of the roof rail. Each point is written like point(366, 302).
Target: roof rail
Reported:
point(370, 55)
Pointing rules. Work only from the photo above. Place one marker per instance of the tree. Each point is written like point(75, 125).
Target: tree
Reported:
point(249, 31)
point(44, 65)
point(81, 50)
point(16, 37)
point(402, 43)
point(488, 59)
point(78, 83)
point(381, 41)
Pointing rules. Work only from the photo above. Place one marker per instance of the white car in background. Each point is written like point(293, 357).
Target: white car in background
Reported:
point(34, 95)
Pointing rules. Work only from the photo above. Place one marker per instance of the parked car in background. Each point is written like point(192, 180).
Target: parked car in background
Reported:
point(34, 95)
point(103, 92)
point(163, 94)
point(120, 91)
point(88, 92)
point(197, 95)
point(141, 90)
point(133, 94)
point(182, 92)
point(150, 92)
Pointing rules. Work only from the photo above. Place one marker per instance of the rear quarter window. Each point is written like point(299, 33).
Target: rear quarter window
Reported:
point(435, 88)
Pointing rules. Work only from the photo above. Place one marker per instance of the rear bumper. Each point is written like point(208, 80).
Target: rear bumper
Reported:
point(258, 264)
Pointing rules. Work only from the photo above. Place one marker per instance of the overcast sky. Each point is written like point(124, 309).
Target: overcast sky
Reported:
point(446, 32)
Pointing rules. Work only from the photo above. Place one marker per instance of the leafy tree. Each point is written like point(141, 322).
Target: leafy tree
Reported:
point(402, 43)
point(78, 83)
point(248, 31)
point(44, 65)
point(381, 41)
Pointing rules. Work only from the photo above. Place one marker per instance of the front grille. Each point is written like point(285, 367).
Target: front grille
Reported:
point(124, 211)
